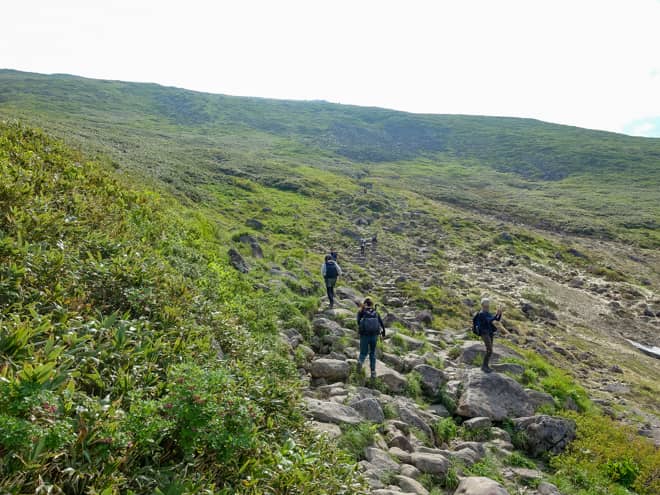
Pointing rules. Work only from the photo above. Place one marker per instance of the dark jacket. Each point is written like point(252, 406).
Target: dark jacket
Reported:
point(483, 320)
point(362, 313)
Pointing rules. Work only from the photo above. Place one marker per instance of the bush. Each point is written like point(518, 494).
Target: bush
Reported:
point(356, 438)
point(516, 459)
point(445, 430)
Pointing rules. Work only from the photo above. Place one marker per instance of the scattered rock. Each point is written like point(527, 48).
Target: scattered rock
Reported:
point(545, 488)
point(381, 459)
point(616, 369)
point(330, 369)
point(331, 412)
point(411, 485)
point(539, 399)
point(412, 416)
point(370, 410)
point(545, 433)
point(410, 471)
point(470, 351)
point(479, 485)
point(432, 379)
point(332, 430)
point(430, 463)
point(439, 410)
point(425, 317)
point(514, 369)
point(493, 395)
point(255, 224)
point(393, 380)
point(237, 261)
point(477, 423)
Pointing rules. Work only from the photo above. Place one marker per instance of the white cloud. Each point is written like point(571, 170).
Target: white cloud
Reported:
point(589, 63)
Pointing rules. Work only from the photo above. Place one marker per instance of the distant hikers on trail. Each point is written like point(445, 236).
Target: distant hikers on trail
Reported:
point(482, 325)
point(370, 326)
point(330, 271)
point(363, 246)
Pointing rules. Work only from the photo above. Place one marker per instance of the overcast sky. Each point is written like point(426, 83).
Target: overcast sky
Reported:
point(581, 62)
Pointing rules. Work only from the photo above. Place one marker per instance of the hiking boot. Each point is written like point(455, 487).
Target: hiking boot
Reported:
point(486, 369)
point(373, 374)
point(359, 368)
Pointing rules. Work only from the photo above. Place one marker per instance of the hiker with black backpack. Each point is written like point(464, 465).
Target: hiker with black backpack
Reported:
point(482, 325)
point(370, 326)
point(330, 271)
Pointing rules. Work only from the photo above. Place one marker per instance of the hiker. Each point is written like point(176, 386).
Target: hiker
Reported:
point(370, 326)
point(334, 254)
point(482, 325)
point(363, 246)
point(330, 270)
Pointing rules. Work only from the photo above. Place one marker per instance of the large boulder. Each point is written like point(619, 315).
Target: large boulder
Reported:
point(370, 410)
point(393, 380)
point(471, 350)
point(480, 485)
point(381, 459)
point(415, 418)
point(435, 464)
point(545, 433)
point(540, 399)
point(333, 370)
point(432, 379)
point(494, 396)
point(331, 412)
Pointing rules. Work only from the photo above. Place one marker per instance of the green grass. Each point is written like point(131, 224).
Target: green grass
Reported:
point(356, 438)
point(115, 303)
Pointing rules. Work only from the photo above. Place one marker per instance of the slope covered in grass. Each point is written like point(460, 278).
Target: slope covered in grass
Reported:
point(525, 170)
point(132, 358)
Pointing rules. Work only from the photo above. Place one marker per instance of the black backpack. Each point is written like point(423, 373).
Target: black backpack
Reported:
point(370, 324)
point(331, 269)
point(479, 326)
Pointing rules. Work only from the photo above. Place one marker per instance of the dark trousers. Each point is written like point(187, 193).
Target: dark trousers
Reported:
point(330, 289)
point(487, 337)
point(368, 346)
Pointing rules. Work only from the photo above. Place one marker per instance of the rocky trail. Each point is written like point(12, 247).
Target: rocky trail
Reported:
point(425, 375)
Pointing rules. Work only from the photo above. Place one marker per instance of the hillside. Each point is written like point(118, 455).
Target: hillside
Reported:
point(163, 326)
point(520, 170)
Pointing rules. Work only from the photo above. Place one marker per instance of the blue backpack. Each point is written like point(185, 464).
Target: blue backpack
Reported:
point(370, 324)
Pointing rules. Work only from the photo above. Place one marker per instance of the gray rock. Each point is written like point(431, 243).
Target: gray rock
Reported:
point(381, 459)
point(330, 369)
point(545, 433)
point(439, 410)
point(331, 412)
point(237, 261)
point(330, 429)
point(425, 317)
point(393, 380)
point(432, 379)
point(411, 485)
point(471, 350)
point(514, 369)
point(369, 409)
point(493, 395)
point(413, 417)
point(430, 463)
point(480, 485)
point(325, 326)
point(545, 488)
point(400, 441)
point(410, 471)
point(255, 224)
point(408, 342)
point(477, 423)
point(400, 455)
point(539, 399)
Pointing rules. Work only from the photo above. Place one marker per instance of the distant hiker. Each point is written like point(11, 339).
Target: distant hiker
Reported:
point(482, 325)
point(370, 326)
point(374, 241)
point(363, 246)
point(330, 270)
point(334, 255)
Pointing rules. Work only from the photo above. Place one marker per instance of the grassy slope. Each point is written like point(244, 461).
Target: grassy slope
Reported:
point(115, 303)
point(518, 169)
